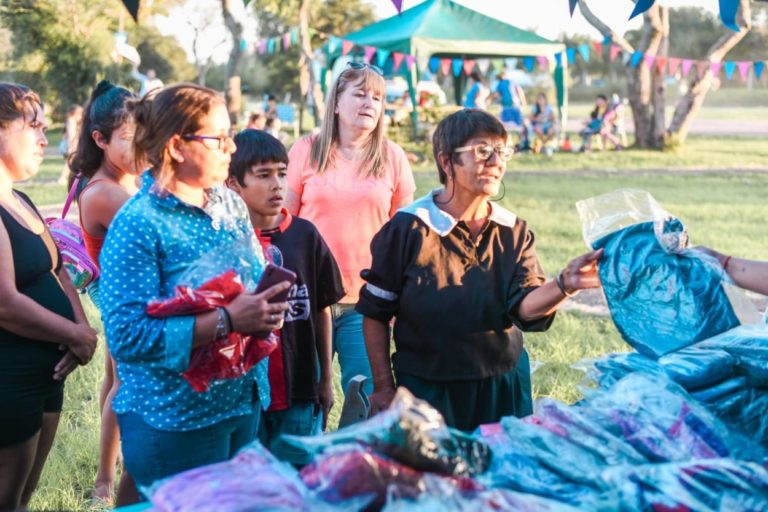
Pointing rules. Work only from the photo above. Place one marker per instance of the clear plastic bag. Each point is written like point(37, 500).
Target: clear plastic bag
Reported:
point(704, 485)
point(661, 296)
point(412, 432)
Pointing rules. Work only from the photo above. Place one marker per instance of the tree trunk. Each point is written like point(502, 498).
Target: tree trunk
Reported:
point(233, 92)
point(699, 84)
point(307, 83)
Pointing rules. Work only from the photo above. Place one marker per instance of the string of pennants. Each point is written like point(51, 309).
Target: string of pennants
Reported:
point(459, 66)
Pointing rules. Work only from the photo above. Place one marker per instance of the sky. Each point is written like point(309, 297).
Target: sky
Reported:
point(550, 18)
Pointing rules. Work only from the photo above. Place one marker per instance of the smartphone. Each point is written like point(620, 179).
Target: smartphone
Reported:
point(273, 275)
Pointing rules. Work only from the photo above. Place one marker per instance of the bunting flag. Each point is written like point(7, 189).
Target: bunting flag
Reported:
point(559, 59)
point(759, 65)
point(543, 62)
point(498, 64)
point(346, 47)
point(381, 57)
point(445, 66)
point(649, 60)
point(271, 46)
point(687, 64)
point(728, 9)
point(598, 46)
point(615, 50)
point(673, 65)
point(661, 64)
point(570, 53)
point(133, 8)
point(511, 63)
point(729, 67)
point(434, 65)
point(262, 47)
point(294, 36)
point(636, 58)
point(333, 44)
point(701, 67)
point(584, 51)
point(640, 7)
point(743, 68)
point(456, 66)
point(397, 61)
point(483, 65)
point(626, 57)
point(368, 52)
point(529, 63)
point(572, 6)
point(286, 41)
point(715, 67)
point(409, 61)
point(469, 65)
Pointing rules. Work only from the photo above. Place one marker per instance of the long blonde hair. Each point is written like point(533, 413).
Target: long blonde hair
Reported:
point(323, 145)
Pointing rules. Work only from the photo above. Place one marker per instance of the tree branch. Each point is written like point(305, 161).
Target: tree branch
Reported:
point(604, 29)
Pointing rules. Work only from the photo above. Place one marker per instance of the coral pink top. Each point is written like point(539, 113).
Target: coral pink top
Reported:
point(93, 244)
point(347, 207)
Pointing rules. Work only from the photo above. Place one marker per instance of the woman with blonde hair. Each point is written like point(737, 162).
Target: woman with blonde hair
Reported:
point(349, 181)
point(181, 214)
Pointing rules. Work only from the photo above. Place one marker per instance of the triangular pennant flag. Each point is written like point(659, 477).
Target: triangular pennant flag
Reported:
point(368, 52)
point(346, 47)
point(511, 62)
point(271, 46)
point(529, 63)
point(615, 50)
point(584, 51)
point(456, 66)
point(445, 66)
point(133, 8)
point(498, 64)
point(661, 64)
point(572, 6)
point(674, 63)
point(728, 9)
point(626, 57)
point(744, 68)
point(649, 59)
point(701, 67)
point(262, 47)
point(333, 44)
point(715, 67)
point(483, 65)
point(381, 57)
point(286, 41)
point(243, 45)
point(434, 65)
point(559, 59)
point(598, 46)
point(543, 62)
point(636, 58)
point(570, 53)
point(759, 66)
point(730, 67)
point(687, 64)
point(294, 36)
point(469, 65)
point(640, 7)
point(397, 60)
point(409, 61)
point(398, 5)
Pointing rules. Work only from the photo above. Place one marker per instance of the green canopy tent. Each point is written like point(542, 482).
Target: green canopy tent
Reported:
point(442, 28)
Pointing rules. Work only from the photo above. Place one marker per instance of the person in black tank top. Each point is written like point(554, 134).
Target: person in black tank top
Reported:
point(44, 334)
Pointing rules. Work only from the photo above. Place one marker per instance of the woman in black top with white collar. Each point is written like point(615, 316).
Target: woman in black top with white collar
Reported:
point(461, 277)
point(44, 334)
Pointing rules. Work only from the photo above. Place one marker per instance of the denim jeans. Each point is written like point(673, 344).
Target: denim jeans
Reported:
point(150, 454)
point(298, 420)
point(349, 344)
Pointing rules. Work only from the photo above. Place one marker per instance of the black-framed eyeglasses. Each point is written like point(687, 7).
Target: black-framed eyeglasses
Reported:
point(357, 66)
point(486, 151)
point(211, 141)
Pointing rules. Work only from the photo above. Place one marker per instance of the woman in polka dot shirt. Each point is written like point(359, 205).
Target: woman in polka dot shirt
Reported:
point(181, 214)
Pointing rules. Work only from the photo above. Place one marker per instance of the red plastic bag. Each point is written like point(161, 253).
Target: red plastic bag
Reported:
point(225, 358)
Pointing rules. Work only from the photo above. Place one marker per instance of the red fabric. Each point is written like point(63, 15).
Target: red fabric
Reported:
point(93, 244)
point(224, 358)
point(277, 377)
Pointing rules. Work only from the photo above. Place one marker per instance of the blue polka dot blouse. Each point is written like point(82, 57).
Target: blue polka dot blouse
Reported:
point(154, 243)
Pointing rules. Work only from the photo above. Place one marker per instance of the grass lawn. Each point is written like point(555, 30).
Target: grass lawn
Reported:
point(724, 210)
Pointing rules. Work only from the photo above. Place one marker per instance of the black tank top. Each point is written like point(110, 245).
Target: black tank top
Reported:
point(36, 262)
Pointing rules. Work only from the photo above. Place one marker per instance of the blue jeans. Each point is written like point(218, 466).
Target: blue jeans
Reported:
point(349, 344)
point(150, 454)
point(299, 420)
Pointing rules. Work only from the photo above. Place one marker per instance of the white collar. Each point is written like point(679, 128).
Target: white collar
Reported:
point(442, 222)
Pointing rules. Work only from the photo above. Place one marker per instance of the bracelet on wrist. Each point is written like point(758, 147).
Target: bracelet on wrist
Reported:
point(726, 261)
point(222, 328)
point(561, 286)
point(228, 317)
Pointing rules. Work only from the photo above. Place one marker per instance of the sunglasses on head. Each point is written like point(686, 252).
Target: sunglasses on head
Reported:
point(357, 66)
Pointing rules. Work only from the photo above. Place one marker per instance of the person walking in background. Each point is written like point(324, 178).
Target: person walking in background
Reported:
point(69, 138)
point(182, 214)
point(302, 389)
point(44, 334)
point(148, 82)
point(477, 93)
point(105, 157)
point(348, 181)
point(512, 99)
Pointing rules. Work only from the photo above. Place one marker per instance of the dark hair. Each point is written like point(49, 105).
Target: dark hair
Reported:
point(14, 99)
point(255, 117)
point(162, 113)
point(595, 114)
point(105, 112)
point(255, 147)
point(476, 76)
point(270, 122)
point(456, 129)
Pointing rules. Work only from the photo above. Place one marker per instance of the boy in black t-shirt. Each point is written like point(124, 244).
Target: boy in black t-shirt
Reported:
point(300, 368)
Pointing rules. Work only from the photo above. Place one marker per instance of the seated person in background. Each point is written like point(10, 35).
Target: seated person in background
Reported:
point(257, 121)
point(602, 121)
point(300, 369)
point(543, 122)
point(400, 110)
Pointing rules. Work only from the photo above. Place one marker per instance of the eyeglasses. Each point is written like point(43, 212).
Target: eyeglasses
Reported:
point(486, 151)
point(357, 66)
point(211, 141)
